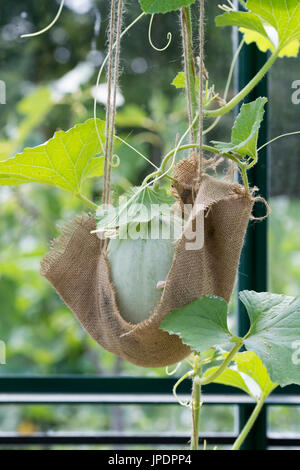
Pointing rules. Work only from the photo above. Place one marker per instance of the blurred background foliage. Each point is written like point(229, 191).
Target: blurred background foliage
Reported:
point(50, 85)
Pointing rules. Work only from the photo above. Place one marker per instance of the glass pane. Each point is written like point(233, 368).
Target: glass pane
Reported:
point(130, 420)
point(284, 240)
point(285, 174)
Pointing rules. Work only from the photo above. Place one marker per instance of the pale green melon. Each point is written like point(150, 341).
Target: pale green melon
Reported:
point(136, 267)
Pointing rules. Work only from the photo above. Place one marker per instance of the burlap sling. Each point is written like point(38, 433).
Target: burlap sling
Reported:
point(79, 272)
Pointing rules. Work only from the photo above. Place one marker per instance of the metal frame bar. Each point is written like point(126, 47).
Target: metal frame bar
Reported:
point(253, 273)
point(87, 390)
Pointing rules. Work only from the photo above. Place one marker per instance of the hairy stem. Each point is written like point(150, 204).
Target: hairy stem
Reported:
point(191, 60)
point(229, 79)
point(189, 65)
point(208, 148)
point(136, 20)
point(87, 201)
point(245, 177)
point(201, 70)
point(223, 366)
point(243, 93)
point(196, 406)
point(248, 426)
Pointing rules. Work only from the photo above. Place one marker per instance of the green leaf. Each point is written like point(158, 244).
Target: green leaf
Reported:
point(275, 21)
point(163, 6)
point(264, 44)
point(201, 325)
point(245, 20)
point(65, 161)
point(245, 130)
point(230, 377)
point(274, 333)
point(248, 374)
point(251, 365)
point(180, 81)
point(137, 206)
point(283, 16)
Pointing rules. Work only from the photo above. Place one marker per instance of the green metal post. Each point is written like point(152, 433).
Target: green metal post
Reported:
point(253, 271)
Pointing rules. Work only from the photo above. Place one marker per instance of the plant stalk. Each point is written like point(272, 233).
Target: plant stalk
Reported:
point(248, 426)
point(243, 93)
point(223, 366)
point(190, 69)
point(208, 148)
point(87, 201)
point(196, 406)
point(191, 60)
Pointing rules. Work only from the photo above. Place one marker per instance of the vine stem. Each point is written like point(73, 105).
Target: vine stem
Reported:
point(227, 87)
point(243, 93)
point(223, 366)
point(136, 20)
point(247, 428)
point(277, 138)
point(44, 30)
point(87, 201)
point(201, 71)
point(213, 150)
point(196, 407)
point(189, 66)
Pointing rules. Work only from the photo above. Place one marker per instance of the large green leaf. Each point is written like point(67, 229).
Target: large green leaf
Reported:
point(276, 22)
point(248, 374)
point(284, 16)
point(245, 130)
point(65, 161)
point(201, 325)
point(250, 364)
point(274, 333)
point(163, 6)
point(230, 377)
point(244, 20)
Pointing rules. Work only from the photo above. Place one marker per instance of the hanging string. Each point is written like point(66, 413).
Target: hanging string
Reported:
point(105, 198)
point(185, 46)
point(201, 72)
point(115, 87)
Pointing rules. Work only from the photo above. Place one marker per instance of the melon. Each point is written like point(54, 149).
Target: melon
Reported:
point(136, 268)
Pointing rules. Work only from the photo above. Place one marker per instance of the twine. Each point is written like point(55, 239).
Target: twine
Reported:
point(112, 85)
point(201, 72)
point(108, 102)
